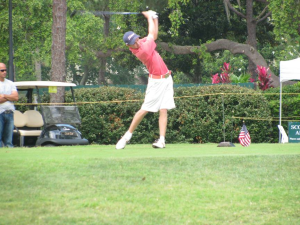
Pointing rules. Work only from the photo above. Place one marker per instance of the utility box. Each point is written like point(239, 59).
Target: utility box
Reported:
point(294, 132)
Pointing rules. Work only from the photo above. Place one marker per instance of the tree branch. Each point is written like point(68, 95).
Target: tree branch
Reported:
point(263, 1)
point(221, 44)
point(224, 44)
point(178, 50)
point(234, 10)
point(263, 18)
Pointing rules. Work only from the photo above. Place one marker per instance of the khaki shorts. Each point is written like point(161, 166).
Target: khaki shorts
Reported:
point(159, 95)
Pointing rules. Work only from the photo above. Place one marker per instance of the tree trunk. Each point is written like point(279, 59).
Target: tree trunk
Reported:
point(58, 64)
point(85, 75)
point(251, 39)
point(101, 74)
point(251, 25)
point(252, 22)
point(197, 72)
point(38, 67)
point(102, 60)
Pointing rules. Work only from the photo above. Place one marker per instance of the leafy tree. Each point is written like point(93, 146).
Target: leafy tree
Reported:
point(84, 37)
point(201, 26)
point(252, 20)
point(33, 39)
point(286, 17)
point(31, 28)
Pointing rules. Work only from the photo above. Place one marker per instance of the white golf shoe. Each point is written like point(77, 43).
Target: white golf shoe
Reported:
point(158, 144)
point(121, 143)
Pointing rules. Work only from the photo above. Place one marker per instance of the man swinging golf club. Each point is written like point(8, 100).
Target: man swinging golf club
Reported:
point(159, 93)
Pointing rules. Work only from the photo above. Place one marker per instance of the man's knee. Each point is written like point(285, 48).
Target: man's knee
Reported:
point(141, 112)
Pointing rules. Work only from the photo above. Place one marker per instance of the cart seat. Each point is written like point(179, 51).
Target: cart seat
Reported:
point(28, 123)
point(19, 119)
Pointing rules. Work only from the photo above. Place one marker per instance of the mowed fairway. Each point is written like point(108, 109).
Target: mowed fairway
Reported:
point(181, 184)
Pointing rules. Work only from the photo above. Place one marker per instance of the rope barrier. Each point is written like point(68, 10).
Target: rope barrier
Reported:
point(259, 119)
point(179, 97)
point(136, 100)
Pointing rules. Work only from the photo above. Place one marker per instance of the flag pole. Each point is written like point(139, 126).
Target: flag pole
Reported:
point(223, 117)
point(224, 143)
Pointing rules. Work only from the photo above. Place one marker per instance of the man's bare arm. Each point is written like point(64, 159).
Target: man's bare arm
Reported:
point(152, 24)
point(14, 96)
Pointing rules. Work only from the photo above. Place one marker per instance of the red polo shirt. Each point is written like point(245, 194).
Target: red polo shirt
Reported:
point(147, 54)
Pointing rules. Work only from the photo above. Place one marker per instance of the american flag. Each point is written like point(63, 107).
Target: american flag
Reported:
point(244, 136)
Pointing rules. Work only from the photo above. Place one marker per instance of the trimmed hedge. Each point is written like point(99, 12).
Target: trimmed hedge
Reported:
point(290, 105)
point(198, 118)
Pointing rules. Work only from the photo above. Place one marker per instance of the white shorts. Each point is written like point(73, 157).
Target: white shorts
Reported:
point(159, 95)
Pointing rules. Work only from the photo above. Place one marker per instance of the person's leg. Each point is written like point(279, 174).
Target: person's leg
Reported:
point(1, 128)
point(138, 117)
point(134, 123)
point(8, 130)
point(163, 120)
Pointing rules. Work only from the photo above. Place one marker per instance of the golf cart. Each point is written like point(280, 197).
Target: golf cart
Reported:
point(54, 124)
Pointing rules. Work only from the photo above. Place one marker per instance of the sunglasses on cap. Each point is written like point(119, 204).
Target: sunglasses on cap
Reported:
point(2, 70)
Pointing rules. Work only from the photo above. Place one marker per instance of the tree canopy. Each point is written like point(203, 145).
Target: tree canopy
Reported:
point(193, 38)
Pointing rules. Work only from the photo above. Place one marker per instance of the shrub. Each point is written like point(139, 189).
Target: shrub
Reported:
point(243, 78)
point(108, 113)
point(201, 118)
point(290, 105)
point(227, 77)
point(198, 117)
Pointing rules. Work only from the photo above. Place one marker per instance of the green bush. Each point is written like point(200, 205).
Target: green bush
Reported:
point(201, 118)
point(106, 114)
point(290, 105)
point(21, 104)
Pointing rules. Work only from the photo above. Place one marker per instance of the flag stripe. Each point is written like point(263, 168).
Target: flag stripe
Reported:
point(244, 136)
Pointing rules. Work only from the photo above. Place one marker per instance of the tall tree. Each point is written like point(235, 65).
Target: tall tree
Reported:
point(252, 22)
point(31, 27)
point(58, 63)
point(103, 6)
point(199, 22)
point(202, 21)
point(114, 25)
point(286, 17)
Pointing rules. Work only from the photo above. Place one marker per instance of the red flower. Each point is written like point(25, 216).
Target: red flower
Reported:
point(226, 67)
point(225, 78)
point(264, 78)
point(215, 79)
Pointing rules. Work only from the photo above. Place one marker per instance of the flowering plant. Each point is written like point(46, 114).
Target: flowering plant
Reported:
point(224, 76)
point(264, 78)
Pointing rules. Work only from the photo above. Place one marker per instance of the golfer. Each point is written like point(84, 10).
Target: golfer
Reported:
point(159, 93)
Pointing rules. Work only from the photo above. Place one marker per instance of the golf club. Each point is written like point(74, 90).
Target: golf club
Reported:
point(101, 13)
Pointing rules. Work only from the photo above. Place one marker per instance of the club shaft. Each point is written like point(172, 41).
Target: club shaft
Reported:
point(99, 13)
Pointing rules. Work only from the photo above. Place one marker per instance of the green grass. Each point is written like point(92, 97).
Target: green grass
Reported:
point(181, 184)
